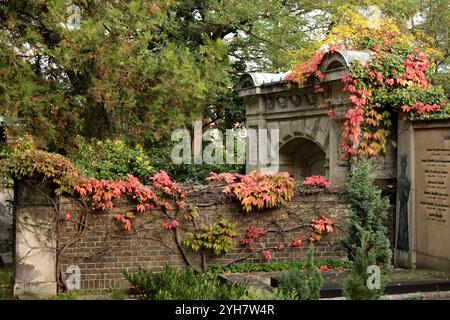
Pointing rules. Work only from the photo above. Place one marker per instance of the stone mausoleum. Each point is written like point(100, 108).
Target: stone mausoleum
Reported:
point(308, 137)
point(417, 171)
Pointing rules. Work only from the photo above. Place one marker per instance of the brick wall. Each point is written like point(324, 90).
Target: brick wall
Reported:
point(99, 245)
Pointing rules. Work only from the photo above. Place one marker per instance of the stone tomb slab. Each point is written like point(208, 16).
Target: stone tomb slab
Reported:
point(432, 196)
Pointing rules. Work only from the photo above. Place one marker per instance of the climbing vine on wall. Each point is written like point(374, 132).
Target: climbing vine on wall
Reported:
point(318, 229)
point(101, 194)
point(253, 191)
point(257, 190)
point(393, 80)
point(41, 165)
point(314, 184)
point(217, 237)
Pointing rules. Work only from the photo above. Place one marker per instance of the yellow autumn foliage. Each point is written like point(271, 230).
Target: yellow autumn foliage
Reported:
point(352, 25)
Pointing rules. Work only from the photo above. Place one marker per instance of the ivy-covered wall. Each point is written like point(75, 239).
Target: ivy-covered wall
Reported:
point(98, 244)
point(103, 250)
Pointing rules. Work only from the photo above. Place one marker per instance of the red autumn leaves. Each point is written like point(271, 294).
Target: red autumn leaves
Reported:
point(315, 183)
point(319, 227)
point(257, 190)
point(102, 193)
point(391, 74)
point(171, 225)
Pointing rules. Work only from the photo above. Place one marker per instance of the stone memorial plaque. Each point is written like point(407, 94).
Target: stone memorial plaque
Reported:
point(432, 189)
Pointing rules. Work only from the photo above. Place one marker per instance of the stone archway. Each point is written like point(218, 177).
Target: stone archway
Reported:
point(302, 157)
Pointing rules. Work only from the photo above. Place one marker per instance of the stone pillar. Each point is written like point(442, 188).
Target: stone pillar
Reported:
point(36, 240)
point(6, 224)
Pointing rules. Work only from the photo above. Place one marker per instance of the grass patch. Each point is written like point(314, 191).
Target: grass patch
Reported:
point(66, 296)
point(118, 294)
point(333, 263)
point(6, 287)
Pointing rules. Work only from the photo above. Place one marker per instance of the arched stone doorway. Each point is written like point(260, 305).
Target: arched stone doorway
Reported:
point(302, 158)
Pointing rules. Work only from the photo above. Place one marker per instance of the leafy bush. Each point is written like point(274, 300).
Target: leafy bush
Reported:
point(111, 159)
point(277, 294)
point(314, 184)
point(6, 279)
point(171, 284)
point(66, 296)
point(307, 286)
point(217, 237)
point(160, 159)
point(40, 164)
point(6, 276)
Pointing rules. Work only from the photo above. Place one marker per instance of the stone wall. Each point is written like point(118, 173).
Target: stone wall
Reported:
point(98, 244)
point(423, 201)
point(6, 225)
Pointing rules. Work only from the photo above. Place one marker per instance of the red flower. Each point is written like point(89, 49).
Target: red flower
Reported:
point(390, 81)
point(268, 255)
point(68, 217)
point(175, 223)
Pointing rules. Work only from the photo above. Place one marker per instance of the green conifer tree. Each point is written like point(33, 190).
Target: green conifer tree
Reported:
point(305, 286)
point(367, 242)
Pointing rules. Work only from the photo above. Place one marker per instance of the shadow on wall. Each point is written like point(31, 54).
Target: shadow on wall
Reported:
point(302, 158)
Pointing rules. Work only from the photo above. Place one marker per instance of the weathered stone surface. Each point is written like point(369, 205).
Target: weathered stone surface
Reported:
point(36, 241)
point(6, 260)
point(35, 290)
point(6, 219)
point(299, 113)
point(423, 213)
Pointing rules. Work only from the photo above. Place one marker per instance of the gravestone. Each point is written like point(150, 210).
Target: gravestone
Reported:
point(424, 217)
